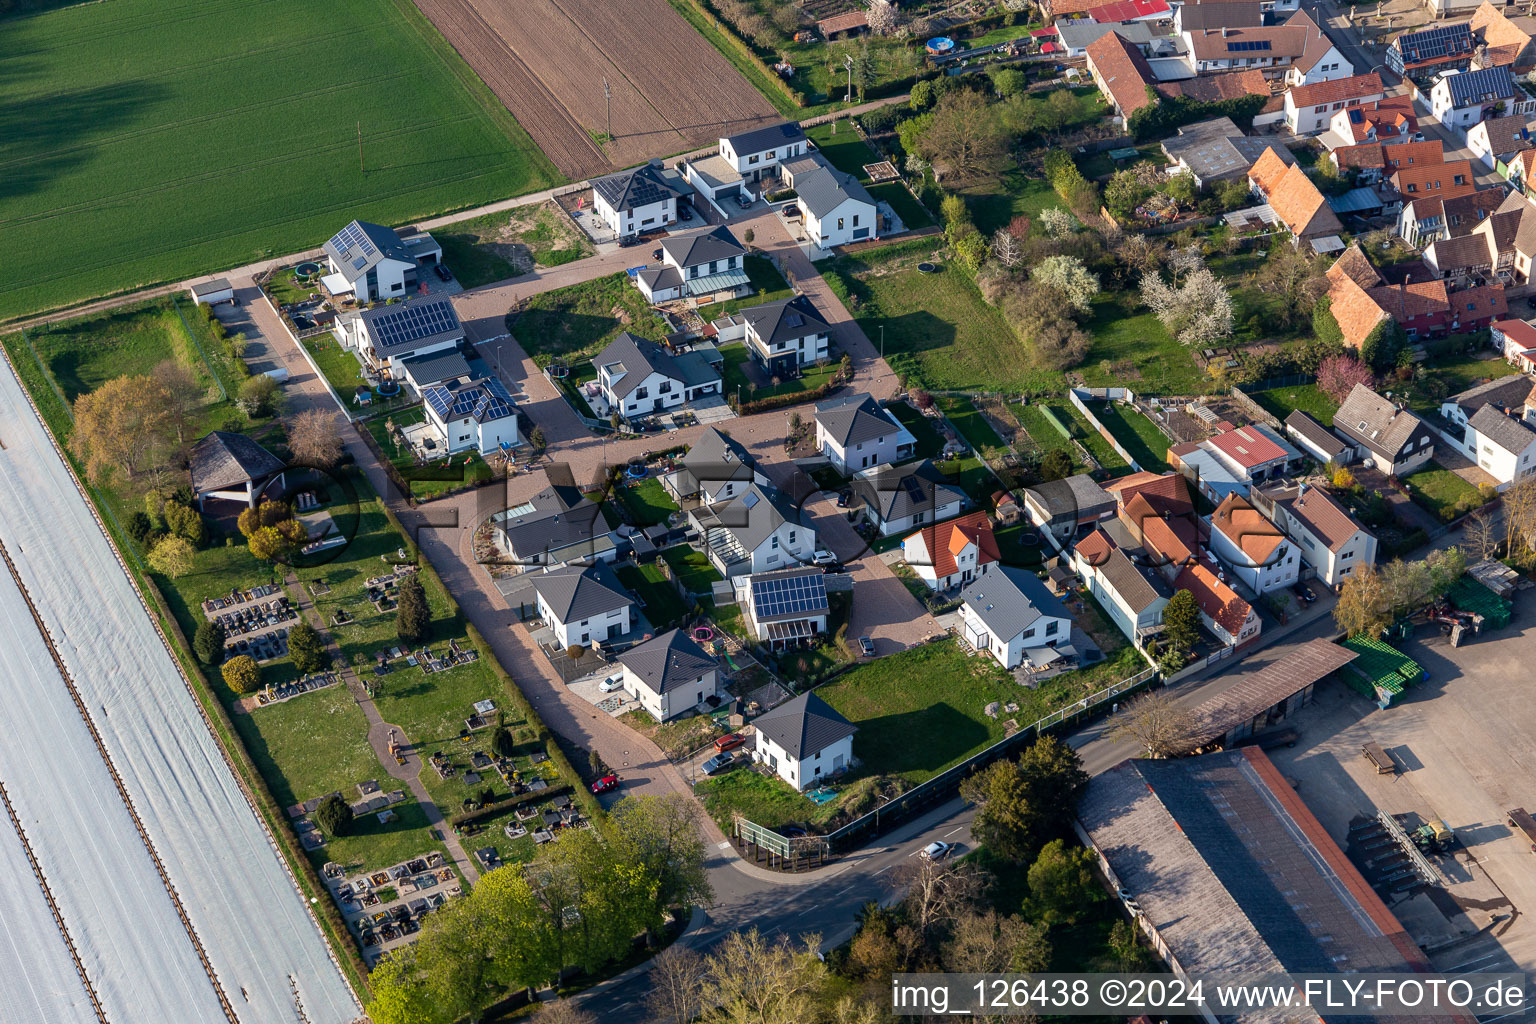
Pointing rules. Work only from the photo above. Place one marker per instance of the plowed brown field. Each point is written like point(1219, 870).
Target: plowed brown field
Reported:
point(547, 59)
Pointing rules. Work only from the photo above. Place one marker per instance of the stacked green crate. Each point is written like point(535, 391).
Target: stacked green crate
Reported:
point(1380, 671)
point(1468, 595)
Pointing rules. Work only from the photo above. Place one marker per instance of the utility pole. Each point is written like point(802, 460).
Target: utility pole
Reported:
point(360, 166)
point(608, 106)
point(848, 63)
point(882, 341)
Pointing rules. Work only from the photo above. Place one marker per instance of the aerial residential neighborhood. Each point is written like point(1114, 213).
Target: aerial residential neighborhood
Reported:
point(691, 510)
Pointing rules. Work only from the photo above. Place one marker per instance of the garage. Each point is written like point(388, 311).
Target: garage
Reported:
point(211, 293)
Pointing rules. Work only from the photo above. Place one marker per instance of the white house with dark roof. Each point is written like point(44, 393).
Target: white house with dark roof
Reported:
point(1461, 99)
point(383, 337)
point(231, 467)
point(785, 335)
point(478, 415)
point(1392, 440)
point(758, 151)
point(716, 468)
point(706, 265)
point(639, 377)
point(756, 531)
point(1010, 614)
point(638, 200)
point(1501, 443)
point(900, 499)
point(1318, 441)
point(855, 434)
point(1063, 507)
point(835, 207)
point(584, 605)
point(784, 608)
point(371, 262)
point(557, 526)
point(669, 674)
point(1330, 540)
point(804, 741)
point(421, 372)
point(1133, 596)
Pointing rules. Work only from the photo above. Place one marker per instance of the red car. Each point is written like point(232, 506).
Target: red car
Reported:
point(605, 783)
point(730, 742)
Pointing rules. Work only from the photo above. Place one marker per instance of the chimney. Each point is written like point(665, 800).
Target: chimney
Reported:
point(1301, 489)
point(1223, 31)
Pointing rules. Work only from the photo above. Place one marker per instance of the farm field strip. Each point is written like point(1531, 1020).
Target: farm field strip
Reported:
point(137, 150)
point(243, 905)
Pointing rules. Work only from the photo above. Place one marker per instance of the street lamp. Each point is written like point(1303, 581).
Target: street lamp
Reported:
point(882, 341)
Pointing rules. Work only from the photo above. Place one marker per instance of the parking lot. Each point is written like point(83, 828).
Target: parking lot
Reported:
point(1464, 742)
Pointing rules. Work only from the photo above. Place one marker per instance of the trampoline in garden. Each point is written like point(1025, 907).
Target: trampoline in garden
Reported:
point(928, 268)
point(557, 371)
point(703, 634)
point(636, 470)
point(940, 44)
point(306, 270)
point(387, 388)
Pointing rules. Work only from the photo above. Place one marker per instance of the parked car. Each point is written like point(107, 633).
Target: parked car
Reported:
point(656, 254)
point(843, 498)
point(683, 213)
point(443, 272)
point(605, 783)
point(731, 742)
point(867, 646)
point(718, 763)
point(936, 850)
point(612, 683)
point(744, 201)
point(823, 557)
point(1305, 593)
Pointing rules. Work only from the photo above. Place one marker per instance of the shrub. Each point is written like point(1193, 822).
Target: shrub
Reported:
point(185, 522)
point(334, 816)
point(242, 675)
point(575, 651)
point(172, 557)
point(502, 742)
point(208, 642)
point(413, 620)
point(139, 525)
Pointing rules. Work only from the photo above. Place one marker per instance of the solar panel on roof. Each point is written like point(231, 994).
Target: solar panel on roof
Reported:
point(398, 325)
point(789, 596)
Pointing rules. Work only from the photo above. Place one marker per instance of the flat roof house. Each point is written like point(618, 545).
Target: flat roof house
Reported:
point(707, 266)
point(787, 334)
point(557, 526)
point(1010, 614)
point(744, 160)
point(478, 414)
point(899, 499)
point(669, 674)
point(584, 605)
point(1393, 440)
point(638, 377)
point(1228, 870)
point(716, 468)
point(855, 433)
point(1331, 541)
point(951, 553)
point(804, 741)
point(756, 531)
point(1217, 150)
point(638, 200)
point(784, 608)
point(231, 467)
point(384, 337)
point(372, 263)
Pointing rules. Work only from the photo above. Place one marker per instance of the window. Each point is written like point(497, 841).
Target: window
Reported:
point(666, 387)
point(1460, 179)
point(1321, 110)
point(839, 223)
point(1412, 187)
point(791, 536)
point(751, 160)
point(855, 220)
point(768, 155)
point(642, 393)
point(775, 543)
point(464, 437)
point(1347, 554)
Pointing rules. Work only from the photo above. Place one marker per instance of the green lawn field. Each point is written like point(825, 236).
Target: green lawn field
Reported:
point(145, 141)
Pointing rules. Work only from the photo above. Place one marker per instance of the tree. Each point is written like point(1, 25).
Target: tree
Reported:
point(1181, 188)
point(307, 649)
point(562, 1011)
point(1296, 275)
point(1519, 516)
point(984, 942)
point(883, 19)
point(268, 544)
point(752, 979)
point(173, 557)
point(1342, 479)
point(242, 675)
point(1197, 312)
point(315, 438)
point(965, 137)
point(1021, 802)
point(911, 132)
point(334, 816)
point(957, 219)
point(1077, 284)
point(926, 93)
point(971, 251)
point(139, 526)
point(1007, 82)
point(1057, 223)
point(180, 395)
point(1155, 723)
point(1061, 883)
point(1006, 248)
point(1057, 465)
point(119, 425)
point(1338, 375)
point(413, 619)
point(502, 742)
point(186, 522)
point(536, 437)
point(208, 642)
point(257, 396)
point(937, 893)
point(1363, 607)
point(676, 976)
point(1181, 630)
point(1126, 190)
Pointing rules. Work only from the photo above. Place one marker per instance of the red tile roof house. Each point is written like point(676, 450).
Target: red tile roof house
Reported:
point(1309, 108)
point(1425, 220)
point(1121, 73)
point(1231, 619)
point(1373, 160)
point(952, 553)
point(1253, 452)
point(1359, 300)
point(1443, 181)
point(1516, 339)
point(1297, 203)
point(1388, 121)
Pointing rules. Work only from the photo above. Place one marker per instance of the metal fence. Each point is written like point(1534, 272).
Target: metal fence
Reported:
point(946, 784)
point(1076, 395)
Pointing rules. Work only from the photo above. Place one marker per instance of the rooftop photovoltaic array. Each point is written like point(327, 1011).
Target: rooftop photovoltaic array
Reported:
point(399, 325)
point(1246, 45)
point(483, 400)
point(353, 237)
point(792, 595)
point(1436, 42)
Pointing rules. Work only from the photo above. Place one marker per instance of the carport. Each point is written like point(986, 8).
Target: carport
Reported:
point(1267, 696)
